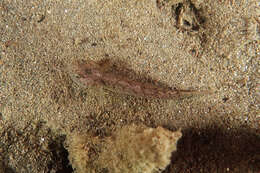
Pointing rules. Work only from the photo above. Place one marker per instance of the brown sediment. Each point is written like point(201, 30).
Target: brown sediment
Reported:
point(210, 44)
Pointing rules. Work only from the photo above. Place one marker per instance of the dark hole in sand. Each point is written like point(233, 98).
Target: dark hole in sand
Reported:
point(60, 161)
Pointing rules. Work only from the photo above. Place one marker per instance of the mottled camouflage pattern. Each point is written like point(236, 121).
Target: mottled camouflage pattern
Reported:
point(93, 74)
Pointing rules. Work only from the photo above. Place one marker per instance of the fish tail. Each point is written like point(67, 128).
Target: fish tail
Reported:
point(194, 92)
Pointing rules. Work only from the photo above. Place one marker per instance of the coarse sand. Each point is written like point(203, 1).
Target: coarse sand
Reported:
point(184, 44)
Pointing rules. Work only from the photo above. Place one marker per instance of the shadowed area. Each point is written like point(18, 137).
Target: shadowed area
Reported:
point(215, 149)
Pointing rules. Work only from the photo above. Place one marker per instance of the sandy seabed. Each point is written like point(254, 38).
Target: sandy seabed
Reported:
point(184, 44)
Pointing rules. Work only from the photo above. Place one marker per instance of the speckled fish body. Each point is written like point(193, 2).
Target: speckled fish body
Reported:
point(92, 74)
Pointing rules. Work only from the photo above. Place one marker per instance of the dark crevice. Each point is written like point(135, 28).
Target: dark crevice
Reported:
point(60, 161)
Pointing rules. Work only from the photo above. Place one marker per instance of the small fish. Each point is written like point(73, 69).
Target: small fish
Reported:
point(93, 74)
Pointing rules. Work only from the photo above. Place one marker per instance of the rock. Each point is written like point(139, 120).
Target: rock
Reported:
point(129, 150)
